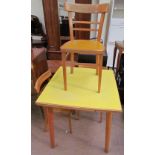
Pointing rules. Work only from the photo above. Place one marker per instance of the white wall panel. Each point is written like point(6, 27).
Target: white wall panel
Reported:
point(37, 10)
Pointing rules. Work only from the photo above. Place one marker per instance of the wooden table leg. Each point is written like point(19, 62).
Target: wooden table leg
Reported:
point(108, 130)
point(51, 126)
point(64, 69)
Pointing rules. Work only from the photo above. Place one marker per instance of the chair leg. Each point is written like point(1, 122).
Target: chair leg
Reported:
point(45, 109)
point(64, 69)
point(72, 62)
point(114, 56)
point(100, 72)
point(97, 64)
point(70, 123)
point(78, 115)
point(100, 117)
point(42, 112)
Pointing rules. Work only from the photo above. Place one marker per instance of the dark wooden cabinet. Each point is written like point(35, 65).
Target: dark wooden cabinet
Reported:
point(51, 17)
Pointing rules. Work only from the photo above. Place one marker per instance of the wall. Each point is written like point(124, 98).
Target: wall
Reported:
point(105, 21)
point(116, 31)
point(61, 7)
point(37, 10)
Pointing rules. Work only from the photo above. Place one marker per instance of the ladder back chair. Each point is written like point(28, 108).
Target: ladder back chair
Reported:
point(94, 47)
point(38, 87)
point(119, 45)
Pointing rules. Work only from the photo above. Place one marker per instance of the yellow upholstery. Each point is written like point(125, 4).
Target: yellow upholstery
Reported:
point(83, 46)
point(82, 93)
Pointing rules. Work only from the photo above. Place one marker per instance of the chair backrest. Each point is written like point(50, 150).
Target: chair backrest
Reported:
point(45, 76)
point(86, 8)
point(38, 62)
point(119, 47)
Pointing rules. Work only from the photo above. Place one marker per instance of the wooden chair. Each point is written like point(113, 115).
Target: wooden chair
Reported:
point(119, 46)
point(84, 46)
point(38, 87)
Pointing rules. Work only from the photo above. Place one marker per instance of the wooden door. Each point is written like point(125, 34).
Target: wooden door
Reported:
point(83, 17)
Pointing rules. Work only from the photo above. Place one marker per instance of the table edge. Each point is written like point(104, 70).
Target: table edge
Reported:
point(75, 108)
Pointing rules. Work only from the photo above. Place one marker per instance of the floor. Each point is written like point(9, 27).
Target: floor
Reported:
point(87, 136)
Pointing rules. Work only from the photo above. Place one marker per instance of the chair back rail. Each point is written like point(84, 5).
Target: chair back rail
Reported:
point(86, 8)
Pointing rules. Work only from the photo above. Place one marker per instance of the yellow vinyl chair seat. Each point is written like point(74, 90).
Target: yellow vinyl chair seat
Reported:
point(83, 46)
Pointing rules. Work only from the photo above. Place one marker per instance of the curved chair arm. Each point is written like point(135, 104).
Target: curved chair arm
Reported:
point(42, 78)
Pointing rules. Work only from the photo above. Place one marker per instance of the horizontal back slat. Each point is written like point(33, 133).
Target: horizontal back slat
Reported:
point(86, 22)
point(84, 29)
point(86, 8)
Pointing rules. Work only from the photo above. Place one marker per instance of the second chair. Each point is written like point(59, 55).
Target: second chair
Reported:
point(38, 85)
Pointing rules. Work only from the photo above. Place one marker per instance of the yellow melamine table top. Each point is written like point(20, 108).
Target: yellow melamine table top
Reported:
point(82, 91)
